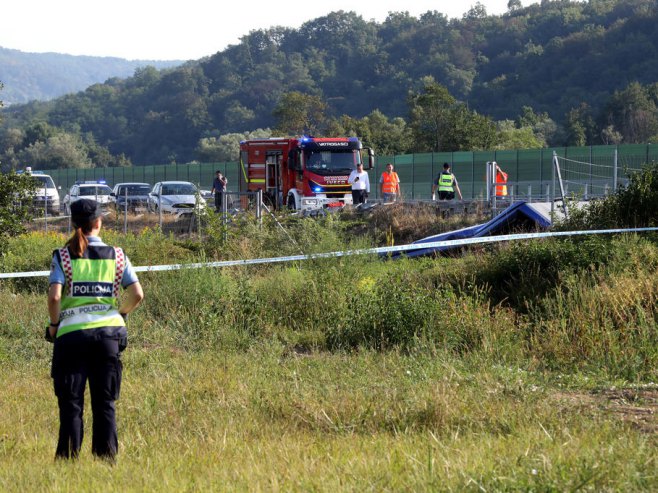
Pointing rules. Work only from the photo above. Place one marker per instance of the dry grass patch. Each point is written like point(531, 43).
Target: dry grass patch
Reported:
point(638, 407)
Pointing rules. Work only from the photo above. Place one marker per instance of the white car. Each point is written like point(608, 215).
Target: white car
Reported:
point(97, 191)
point(46, 195)
point(175, 197)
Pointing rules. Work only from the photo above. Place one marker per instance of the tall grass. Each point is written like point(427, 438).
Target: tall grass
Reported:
point(558, 304)
point(355, 373)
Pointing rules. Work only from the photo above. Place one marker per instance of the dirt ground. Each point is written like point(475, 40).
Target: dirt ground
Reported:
point(639, 407)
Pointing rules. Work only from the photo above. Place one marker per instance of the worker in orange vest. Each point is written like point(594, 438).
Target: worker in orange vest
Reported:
point(390, 184)
point(501, 181)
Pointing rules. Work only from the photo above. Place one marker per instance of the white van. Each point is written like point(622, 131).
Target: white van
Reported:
point(47, 194)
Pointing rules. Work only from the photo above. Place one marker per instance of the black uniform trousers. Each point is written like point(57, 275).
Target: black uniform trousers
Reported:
point(76, 360)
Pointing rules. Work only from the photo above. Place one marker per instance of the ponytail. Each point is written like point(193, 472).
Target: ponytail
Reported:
point(78, 243)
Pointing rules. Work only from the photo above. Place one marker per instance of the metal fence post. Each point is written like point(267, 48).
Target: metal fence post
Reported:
point(541, 170)
point(553, 185)
point(160, 207)
point(259, 210)
point(413, 174)
point(45, 212)
point(225, 213)
point(491, 186)
point(125, 211)
point(197, 210)
point(488, 181)
point(452, 163)
point(614, 171)
point(564, 189)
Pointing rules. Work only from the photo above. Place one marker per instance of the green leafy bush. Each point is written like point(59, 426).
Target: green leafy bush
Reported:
point(633, 206)
point(16, 193)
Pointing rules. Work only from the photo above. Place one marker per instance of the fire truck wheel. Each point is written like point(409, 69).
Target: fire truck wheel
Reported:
point(291, 203)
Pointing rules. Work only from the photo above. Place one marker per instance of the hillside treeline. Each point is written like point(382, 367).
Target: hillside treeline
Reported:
point(44, 76)
point(555, 73)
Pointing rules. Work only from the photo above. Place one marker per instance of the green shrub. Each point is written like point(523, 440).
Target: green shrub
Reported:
point(633, 206)
point(520, 272)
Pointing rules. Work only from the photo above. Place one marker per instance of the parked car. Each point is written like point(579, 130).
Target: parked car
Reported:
point(46, 195)
point(175, 197)
point(94, 190)
point(207, 195)
point(135, 194)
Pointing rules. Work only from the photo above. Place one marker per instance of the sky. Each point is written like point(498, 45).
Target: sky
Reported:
point(180, 30)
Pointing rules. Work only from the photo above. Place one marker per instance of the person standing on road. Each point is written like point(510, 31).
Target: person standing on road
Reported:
point(218, 189)
point(447, 183)
point(360, 184)
point(390, 184)
point(88, 328)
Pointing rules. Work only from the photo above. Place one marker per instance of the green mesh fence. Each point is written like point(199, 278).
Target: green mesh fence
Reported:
point(530, 171)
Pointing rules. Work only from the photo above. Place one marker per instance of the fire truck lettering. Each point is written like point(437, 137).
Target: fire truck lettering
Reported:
point(333, 144)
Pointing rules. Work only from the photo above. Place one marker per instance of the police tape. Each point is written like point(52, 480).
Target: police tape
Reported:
point(364, 251)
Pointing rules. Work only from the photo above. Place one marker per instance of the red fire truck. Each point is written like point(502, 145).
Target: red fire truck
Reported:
point(302, 173)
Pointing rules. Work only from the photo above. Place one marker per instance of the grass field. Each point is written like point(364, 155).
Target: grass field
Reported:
point(529, 367)
point(264, 420)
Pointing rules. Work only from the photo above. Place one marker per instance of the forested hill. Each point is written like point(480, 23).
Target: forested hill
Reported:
point(43, 76)
point(576, 72)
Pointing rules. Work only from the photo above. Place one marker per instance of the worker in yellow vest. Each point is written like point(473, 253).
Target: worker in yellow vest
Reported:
point(390, 184)
point(447, 184)
point(88, 328)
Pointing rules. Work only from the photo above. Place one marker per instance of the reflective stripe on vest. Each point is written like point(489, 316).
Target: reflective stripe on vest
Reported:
point(390, 182)
point(91, 294)
point(445, 183)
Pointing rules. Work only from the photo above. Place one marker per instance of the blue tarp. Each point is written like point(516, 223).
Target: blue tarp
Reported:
point(519, 216)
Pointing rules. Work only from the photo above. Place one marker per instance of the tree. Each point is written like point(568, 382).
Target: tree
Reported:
point(39, 131)
point(226, 147)
point(543, 127)
point(386, 136)
point(580, 126)
point(440, 123)
point(512, 137)
point(513, 5)
point(633, 113)
point(469, 131)
point(298, 113)
point(477, 11)
point(62, 150)
point(610, 136)
point(430, 115)
point(16, 192)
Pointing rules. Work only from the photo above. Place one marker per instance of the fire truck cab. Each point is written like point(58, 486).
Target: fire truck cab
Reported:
point(302, 173)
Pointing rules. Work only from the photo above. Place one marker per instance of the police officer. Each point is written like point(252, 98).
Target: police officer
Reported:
point(446, 182)
point(87, 326)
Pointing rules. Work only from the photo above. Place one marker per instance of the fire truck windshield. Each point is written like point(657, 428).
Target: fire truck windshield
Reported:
point(326, 162)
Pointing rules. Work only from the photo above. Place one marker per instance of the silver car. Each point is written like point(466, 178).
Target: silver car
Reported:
point(175, 197)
